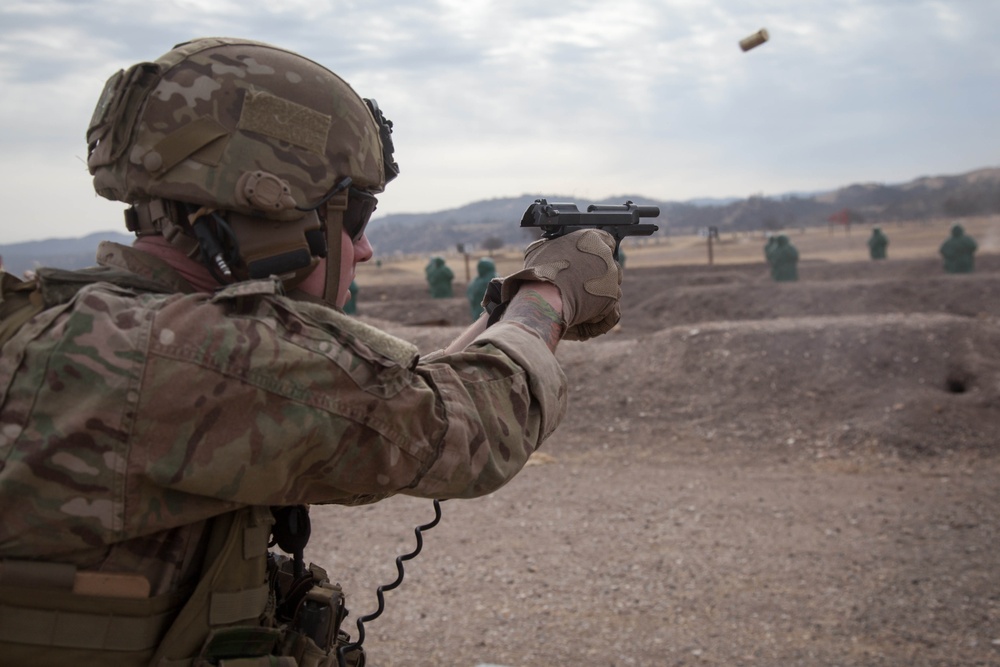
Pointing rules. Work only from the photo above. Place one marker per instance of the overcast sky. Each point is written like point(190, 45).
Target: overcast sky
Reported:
point(582, 98)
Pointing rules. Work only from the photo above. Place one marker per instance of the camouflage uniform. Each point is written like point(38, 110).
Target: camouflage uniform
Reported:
point(129, 419)
point(149, 428)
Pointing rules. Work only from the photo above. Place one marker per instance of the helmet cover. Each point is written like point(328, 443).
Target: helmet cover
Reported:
point(189, 126)
point(241, 127)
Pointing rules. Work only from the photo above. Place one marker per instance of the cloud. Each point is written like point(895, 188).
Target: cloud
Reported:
point(493, 99)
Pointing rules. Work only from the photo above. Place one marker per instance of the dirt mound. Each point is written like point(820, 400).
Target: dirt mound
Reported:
point(857, 357)
point(654, 299)
point(748, 474)
point(813, 386)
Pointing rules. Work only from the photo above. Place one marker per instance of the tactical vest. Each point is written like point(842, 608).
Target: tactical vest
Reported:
point(248, 608)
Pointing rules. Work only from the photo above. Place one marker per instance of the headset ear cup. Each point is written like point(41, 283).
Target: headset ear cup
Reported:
point(317, 242)
point(284, 249)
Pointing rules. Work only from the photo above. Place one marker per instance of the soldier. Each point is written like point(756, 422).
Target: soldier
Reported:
point(769, 246)
point(167, 413)
point(877, 243)
point(476, 290)
point(439, 278)
point(351, 307)
point(784, 260)
point(959, 251)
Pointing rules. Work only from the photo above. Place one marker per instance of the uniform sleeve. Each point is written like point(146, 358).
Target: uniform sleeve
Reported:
point(502, 396)
point(283, 406)
point(125, 415)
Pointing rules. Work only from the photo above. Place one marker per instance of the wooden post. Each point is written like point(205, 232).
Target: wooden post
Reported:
point(461, 248)
point(713, 232)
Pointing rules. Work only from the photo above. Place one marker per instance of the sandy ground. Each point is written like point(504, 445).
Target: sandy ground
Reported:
point(749, 474)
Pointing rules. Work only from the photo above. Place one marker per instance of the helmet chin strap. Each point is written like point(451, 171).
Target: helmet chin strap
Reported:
point(334, 243)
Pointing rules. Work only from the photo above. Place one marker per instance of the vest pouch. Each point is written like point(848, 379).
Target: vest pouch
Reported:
point(308, 654)
point(313, 635)
point(230, 597)
point(243, 646)
point(263, 661)
point(54, 627)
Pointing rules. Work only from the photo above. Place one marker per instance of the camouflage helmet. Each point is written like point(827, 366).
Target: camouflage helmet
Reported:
point(268, 139)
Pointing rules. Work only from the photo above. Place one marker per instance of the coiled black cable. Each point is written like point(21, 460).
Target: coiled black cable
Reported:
point(381, 590)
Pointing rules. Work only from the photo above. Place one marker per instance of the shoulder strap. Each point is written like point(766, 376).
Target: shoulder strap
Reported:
point(60, 285)
point(19, 301)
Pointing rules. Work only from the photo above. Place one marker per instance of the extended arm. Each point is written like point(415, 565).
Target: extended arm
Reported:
point(537, 307)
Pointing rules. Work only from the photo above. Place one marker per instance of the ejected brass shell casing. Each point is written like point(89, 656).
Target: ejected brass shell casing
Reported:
point(753, 40)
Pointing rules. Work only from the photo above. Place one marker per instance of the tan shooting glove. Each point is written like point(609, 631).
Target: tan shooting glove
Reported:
point(583, 267)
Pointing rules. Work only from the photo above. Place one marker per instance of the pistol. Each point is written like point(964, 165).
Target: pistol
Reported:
point(562, 218)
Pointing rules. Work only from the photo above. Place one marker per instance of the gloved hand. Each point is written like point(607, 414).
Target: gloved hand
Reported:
point(492, 302)
point(582, 265)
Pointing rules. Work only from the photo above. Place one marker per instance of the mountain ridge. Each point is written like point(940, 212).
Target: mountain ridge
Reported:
point(971, 193)
point(490, 222)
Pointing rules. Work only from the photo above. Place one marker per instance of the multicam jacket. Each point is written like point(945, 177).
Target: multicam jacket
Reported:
point(129, 418)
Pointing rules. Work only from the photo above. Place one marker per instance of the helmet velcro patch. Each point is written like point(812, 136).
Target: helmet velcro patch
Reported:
point(285, 121)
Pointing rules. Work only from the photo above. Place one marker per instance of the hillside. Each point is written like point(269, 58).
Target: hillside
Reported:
point(970, 194)
point(958, 196)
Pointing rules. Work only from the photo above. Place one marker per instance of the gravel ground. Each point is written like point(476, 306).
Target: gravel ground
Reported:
point(750, 474)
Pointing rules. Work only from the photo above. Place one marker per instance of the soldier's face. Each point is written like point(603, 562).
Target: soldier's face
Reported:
point(351, 254)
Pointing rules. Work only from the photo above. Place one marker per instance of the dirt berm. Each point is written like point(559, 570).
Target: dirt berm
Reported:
point(750, 473)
